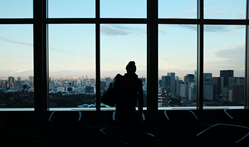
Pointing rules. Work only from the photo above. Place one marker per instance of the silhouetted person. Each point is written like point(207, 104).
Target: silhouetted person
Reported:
point(131, 92)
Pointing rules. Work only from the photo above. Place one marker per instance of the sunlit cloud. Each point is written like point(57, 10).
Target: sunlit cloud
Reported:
point(114, 30)
point(207, 8)
point(15, 42)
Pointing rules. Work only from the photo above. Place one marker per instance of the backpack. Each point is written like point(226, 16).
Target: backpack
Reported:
point(109, 94)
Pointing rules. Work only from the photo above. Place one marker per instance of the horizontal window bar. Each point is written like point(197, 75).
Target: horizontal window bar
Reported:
point(113, 108)
point(17, 21)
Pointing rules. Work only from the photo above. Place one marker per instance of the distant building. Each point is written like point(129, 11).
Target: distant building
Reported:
point(165, 81)
point(31, 80)
point(89, 89)
point(18, 79)
point(225, 93)
point(195, 75)
point(51, 86)
point(172, 83)
point(216, 87)
point(236, 95)
point(208, 91)
point(226, 74)
point(184, 90)
point(60, 89)
point(236, 81)
point(11, 81)
point(189, 78)
point(207, 78)
point(192, 91)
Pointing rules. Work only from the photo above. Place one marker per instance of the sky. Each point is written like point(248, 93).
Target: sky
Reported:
point(72, 46)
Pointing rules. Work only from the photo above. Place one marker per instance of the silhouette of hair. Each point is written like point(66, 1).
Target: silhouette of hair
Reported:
point(131, 67)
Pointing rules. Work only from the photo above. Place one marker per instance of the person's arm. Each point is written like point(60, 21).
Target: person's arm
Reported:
point(140, 97)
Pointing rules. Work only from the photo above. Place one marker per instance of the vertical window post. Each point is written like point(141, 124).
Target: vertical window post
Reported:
point(40, 57)
point(97, 25)
point(152, 63)
point(246, 94)
point(200, 55)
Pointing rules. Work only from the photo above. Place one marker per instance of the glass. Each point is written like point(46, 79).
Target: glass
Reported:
point(16, 62)
point(225, 9)
point(177, 56)
point(72, 65)
point(123, 9)
point(177, 9)
point(16, 9)
point(121, 43)
point(224, 65)
point(71, 9)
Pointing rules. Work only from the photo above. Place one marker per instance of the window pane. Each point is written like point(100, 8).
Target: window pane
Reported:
point(123, 8)
point(121, 43)
point(177, 62)
point(177, 9)
point(224, 65)
point(71, 9)
point(16, 9)
point(225, 9)
point(16, 62)
point(71, 65)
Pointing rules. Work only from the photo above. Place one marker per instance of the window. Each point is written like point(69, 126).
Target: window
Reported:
point(224, 65)
point(16, 61)
point(77, 50)
point(121, 43)
point(177, 63)
point(72, 65)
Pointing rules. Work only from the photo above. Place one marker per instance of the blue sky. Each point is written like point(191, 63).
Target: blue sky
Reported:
point(72, 47)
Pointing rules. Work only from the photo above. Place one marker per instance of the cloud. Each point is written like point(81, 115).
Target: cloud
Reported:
point(236, 52)
point(219, 13)
point(190, 11)
point(114, 30)
point(15, 42)
point(216, 28)
point(214, 7)
point(239, 15)
point(207, 8)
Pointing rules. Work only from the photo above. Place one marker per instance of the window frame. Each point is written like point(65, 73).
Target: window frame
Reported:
point(40, 23)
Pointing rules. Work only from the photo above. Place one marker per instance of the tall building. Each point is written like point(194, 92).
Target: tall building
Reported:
point(226, 74)
point(238, 94)
point(195, 75)
point(165, 81)
point(172, 83)
point(192, 91)
point(184, 90)
point(216, 87)
point(11, 81)
point(236, 81)
point(31, 79)
point(189, 78)
point(18, 79)
point(207, 78)
point(208, 91)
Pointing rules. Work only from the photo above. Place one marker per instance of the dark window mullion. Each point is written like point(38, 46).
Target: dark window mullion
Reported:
point(246, 92)
point(97, 30)
point(152, 64)
point(200, 67)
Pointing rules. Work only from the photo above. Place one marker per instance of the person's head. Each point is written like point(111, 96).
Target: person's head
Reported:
point(131, 67)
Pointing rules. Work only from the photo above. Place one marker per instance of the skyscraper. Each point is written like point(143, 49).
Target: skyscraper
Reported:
point(165, 81)
point(189, 78)
point(172, 83)
point(226, 74)
point(216, 87)
point(207, 78)
point(195, 72)
point(11, 81)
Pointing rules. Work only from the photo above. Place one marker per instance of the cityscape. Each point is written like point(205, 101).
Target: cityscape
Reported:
point(225, 90)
